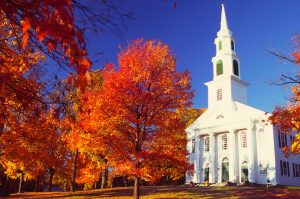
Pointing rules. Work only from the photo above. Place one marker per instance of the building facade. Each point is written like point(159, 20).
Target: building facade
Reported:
point(232, 141)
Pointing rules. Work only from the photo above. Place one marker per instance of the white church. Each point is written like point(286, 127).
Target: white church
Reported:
point(232, 141)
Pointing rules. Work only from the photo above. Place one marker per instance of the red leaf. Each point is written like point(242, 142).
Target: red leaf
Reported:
point(25, 39)
point(25, 25)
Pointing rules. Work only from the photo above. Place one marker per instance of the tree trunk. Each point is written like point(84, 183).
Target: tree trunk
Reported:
point(37, 184)
point(74, 171)
point(136, 193)
point(50, 180)
point(65, 186)
point(7, 185)
point(103, 178)
point(20, 182)
point(125, 181)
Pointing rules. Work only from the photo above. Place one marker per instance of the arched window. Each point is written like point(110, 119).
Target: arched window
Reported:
point(235, 67)
point(206, 144)
point(243, 139)
point(224, 142)
point(220, 45)
point(245, 164)
point(219, 67)
point(193, 145)
point(220, 117)
point(232, 45)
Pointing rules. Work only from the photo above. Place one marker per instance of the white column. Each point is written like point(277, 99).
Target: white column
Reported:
point(212, 169)
point(198, 163)
point(237, 157)
point(232, 156)
point(251, 154)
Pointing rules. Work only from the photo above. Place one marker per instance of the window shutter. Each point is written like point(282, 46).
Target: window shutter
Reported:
point(293, 170)
point(193, 145)
point(281, 169)
point(288, 168)
point(285, 144)
point(279, 140)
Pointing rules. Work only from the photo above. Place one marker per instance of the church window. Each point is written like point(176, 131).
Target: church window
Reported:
point(219, 94)
point(243, 139)
point(296, 170)
point(220, 45)
point(282, 139)
point(219, 67)
point(206, 144)
point(261, 130)
point(263, 169)
point(235, 67)
point(284, 168)
point(232, 45)
point(220, 117)
point(193, 145)
point(224, 142)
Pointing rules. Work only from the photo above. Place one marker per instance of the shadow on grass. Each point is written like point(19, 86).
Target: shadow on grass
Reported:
point(176, 191)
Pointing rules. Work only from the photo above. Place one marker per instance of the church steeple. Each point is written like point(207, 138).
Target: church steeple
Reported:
point(227, 84)
point(224, 25)
point(224, 30)
point(225, 62)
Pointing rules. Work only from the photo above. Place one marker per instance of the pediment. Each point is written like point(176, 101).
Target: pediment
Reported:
point(226, 113)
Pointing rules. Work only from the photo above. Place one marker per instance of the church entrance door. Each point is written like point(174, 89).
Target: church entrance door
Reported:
point(225, 170)
point(206, 173)
point(244, 171)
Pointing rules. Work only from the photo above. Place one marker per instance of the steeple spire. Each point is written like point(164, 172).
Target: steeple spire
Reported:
point(224, 25)
point(224, 30)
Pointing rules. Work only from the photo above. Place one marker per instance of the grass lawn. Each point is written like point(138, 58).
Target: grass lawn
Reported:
point(170, 192)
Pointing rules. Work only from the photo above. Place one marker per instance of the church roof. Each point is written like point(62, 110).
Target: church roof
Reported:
point(227, 114)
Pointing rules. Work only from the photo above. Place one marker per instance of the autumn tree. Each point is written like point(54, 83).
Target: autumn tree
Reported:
point(32, 33)
point(187, 116)
point(57, 28)
point(288, 117)
point(191, 114)
point(135, 113)
point(78, 140)
point(20, 99)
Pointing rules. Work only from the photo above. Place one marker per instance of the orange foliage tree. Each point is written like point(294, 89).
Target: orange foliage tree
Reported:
point(79, 141)
point(57, 28)
point(30, 32)
point(288, 117)
point(135, 114)
point(50, 24)
point(20, 101)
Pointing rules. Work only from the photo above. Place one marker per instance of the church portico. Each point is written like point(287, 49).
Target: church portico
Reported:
point(231, 142)
point(224, 153)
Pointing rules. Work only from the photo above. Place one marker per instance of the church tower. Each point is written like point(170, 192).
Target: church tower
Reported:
point(226, 85)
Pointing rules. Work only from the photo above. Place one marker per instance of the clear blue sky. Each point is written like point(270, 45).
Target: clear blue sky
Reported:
point(191, 28)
